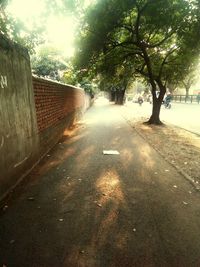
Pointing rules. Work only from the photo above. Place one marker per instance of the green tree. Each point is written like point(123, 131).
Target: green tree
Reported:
point(115, 78)
point(48, 62)
point(69, 77)
point(17, 30)
point(14, 29)
point(154, 36)
point(187, 82)
point(190, 78)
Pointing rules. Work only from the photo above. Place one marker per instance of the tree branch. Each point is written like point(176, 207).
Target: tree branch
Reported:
point(137, 23)
point(162, 41)
point(164, 61)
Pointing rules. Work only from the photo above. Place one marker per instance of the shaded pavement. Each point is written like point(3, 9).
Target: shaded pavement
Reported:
point(82, 208)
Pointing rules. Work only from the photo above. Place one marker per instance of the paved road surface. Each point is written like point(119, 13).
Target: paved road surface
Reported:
point(84, 209)
point(183, 115)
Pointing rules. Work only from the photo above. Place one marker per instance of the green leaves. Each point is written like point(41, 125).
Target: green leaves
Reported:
point(153, 37)
point(48, 63)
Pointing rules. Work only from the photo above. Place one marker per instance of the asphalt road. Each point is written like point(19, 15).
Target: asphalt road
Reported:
point(183, 115)
point(80, 208)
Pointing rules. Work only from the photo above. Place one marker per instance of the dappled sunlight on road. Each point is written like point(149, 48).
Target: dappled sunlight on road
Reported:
point(115, 141)
point(111, 115)
point(71, 131)
point(128, 155)
point(146, 155)
point(102, 217)
point(109, 183)
point(84, 154)
point(68, 153)
point(101, 101)
point(89, 121)
point(105, 210)
point(51, 161)
point(75, 138)
point(107, 222)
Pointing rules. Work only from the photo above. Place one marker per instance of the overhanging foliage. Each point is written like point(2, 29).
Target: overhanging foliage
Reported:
point(158, 38)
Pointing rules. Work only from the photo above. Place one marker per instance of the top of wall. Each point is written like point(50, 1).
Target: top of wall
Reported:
point(9, 45)
point(55, 82)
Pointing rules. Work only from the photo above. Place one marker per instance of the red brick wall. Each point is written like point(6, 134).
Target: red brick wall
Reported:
point(57, 107)
point(54, 101)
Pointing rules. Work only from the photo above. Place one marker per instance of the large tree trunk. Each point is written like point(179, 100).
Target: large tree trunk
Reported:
point(157, 102)
point(112, 96)
point(119, 97)
point(187, 92)
point(155, 116)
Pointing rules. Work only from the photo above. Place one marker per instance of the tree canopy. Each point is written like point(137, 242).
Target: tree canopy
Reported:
point(48, 62)
point(16, 29)
point(159, 39)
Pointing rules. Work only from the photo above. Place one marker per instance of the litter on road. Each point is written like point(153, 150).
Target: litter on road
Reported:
point(31, 198)
point(110, 152)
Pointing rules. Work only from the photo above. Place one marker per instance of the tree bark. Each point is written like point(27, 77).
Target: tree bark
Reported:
point(157, 102)
point(119, 97)
point(112, 96)
point(155, 116)
point(187, 92)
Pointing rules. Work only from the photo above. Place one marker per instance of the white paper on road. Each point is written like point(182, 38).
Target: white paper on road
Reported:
point(110, 152)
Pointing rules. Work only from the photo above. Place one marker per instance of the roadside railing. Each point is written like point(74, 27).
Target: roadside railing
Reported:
point(175, 98)
point(184, 99)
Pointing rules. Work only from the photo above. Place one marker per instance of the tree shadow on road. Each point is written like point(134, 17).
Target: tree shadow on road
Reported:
point(89, 210)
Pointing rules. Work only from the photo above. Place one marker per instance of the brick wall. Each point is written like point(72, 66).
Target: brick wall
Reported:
point(54, 101)
point(57, 107)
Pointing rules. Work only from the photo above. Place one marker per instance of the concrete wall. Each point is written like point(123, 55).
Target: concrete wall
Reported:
point(33, 114)
point(18, 127)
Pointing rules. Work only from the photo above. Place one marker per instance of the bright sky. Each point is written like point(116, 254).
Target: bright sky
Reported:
point(60, 30)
